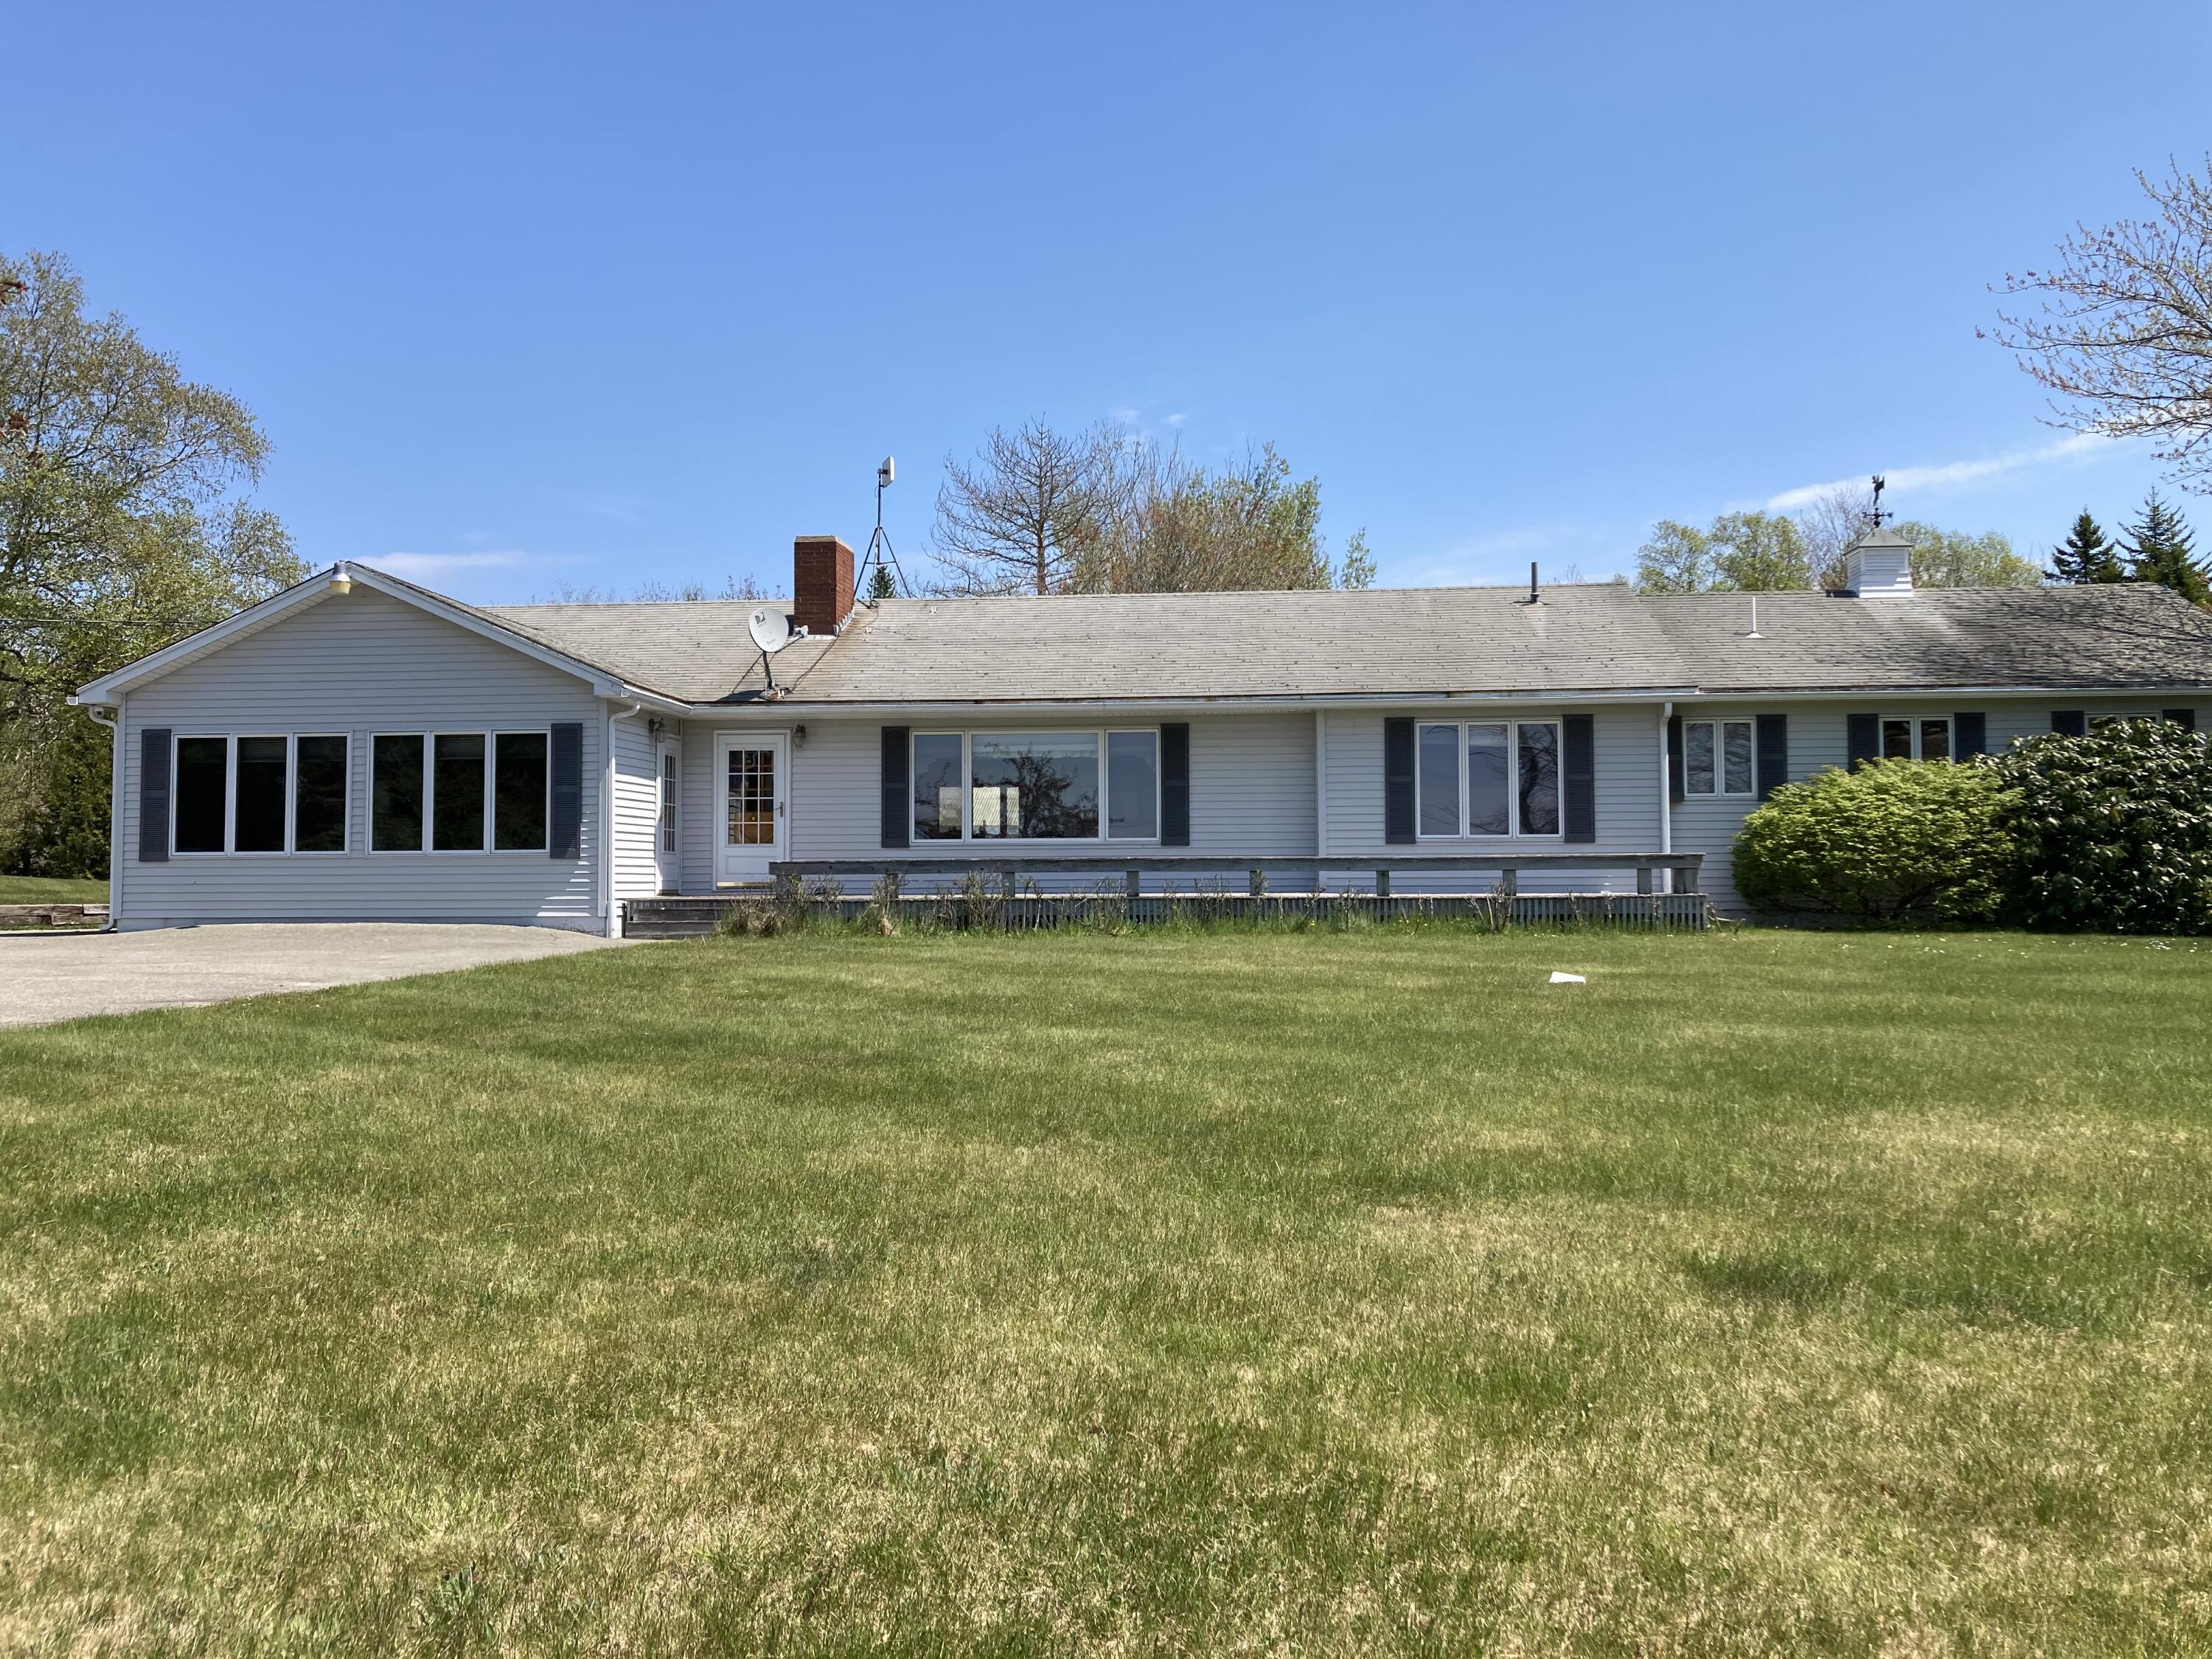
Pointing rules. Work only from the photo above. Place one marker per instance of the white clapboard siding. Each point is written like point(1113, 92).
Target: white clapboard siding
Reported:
point(1625, 739)
point(1251, 793)
point(637, 809)
point(360, 665)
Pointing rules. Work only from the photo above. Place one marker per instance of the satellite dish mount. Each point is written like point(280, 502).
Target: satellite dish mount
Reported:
point(879, 556)
point(771, 630)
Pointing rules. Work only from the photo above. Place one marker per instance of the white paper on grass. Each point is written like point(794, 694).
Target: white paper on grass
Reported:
point(1569, 978)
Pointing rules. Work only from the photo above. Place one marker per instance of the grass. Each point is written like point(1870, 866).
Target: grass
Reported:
point(1336, 1292)
point(51, 890)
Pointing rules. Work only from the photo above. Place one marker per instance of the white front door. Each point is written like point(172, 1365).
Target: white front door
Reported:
point(666, 859)
point(750, 772)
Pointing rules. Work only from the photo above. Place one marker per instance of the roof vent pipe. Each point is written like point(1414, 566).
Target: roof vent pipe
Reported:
point(1534, 596)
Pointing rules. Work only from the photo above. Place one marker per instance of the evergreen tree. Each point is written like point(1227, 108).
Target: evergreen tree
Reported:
point(2086, 556)
point(2159, 549)
point(880, 586)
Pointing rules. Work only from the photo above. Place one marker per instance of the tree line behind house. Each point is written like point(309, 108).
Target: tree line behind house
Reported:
point(1764, 552)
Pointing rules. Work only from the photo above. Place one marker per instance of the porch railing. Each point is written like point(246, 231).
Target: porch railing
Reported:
point(1134, 868)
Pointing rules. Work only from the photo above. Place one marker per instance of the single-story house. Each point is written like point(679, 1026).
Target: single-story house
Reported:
point(359, 747)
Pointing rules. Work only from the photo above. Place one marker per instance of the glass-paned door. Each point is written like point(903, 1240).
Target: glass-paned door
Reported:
point(668, 810)
point(751, 774)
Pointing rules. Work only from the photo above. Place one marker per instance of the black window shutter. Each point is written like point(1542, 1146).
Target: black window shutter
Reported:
point(154, 795)
point(1862, 739)
point(567, 840)
point(2183, 718)
point(1773, 753)
point(1579, 756)
point(1970, 736)
point(898, 811)
point(1674, 789)
point(1174, 784)
point(1397, 782)
point(2070, 722)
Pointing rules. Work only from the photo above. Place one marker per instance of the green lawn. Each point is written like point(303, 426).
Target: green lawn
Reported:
point(51, 889)
point(1342, 1292)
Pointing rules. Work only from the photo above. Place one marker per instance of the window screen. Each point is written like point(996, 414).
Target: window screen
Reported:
point(259, 827)
point(519, 792)
point(1132, 785)
point(319, 796)
point(1439, 779)
point(457, 792)
point(1489, 785)
point(396, 810)
point(1540, 779)
point(937, 787)
point(203, 781)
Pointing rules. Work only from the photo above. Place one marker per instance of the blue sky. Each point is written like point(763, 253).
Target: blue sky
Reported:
point(602, 295)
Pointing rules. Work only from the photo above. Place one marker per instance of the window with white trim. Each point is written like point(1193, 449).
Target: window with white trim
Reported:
point(459, 792)
point(1907, 736)
point(259, 793)
point(1486, 778)
point(1717, 758)
point(1101, 785)
point(668, 801)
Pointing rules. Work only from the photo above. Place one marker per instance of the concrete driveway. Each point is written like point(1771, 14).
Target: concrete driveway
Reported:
point(63, 977)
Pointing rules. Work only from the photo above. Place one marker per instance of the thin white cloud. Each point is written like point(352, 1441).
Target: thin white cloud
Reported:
point(607, 504)
point(1950, 475)
point(1483, 558)
point(427, 567)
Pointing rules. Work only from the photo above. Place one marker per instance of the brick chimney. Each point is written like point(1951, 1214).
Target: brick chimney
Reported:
point(821, 583)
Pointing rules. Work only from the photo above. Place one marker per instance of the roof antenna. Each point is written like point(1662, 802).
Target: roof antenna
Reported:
point(1875, 515)
point(879, 556)
point(1534, 596)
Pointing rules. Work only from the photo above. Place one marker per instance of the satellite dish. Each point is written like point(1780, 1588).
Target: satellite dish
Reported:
point(770, 629)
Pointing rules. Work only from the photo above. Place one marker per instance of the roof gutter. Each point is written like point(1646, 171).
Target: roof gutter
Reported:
point(785, 708)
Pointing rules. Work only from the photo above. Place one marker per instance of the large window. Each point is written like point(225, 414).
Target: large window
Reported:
point(937, 789)
point(396, 816)
point(519, 792)
point(1037, 786)
point(1717, 758)
point(257, 793)
point(459, 792)
point(1133, 786)
point(1488, 778)
point(319, 798)
point(1907, 738)
point(203, 794)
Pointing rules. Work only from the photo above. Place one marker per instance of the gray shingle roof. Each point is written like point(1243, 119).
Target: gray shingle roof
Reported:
point(1397, 642)
point(695, 651)
point(2117, 636)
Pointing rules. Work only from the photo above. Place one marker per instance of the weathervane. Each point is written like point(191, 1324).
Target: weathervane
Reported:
point(1875, 514)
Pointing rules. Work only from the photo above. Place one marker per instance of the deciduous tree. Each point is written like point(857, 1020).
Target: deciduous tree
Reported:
point(1015, 518)
point(125, 522)
point(2121, 327)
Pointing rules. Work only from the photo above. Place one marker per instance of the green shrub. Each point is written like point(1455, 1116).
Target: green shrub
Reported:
point(2113, 830)
point(1889, 841)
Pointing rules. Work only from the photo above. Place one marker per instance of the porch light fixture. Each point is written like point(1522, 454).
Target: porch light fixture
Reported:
point(799, 737)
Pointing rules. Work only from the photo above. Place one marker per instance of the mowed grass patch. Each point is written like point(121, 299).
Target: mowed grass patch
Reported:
point(1244, 1292)
point(51, 890)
